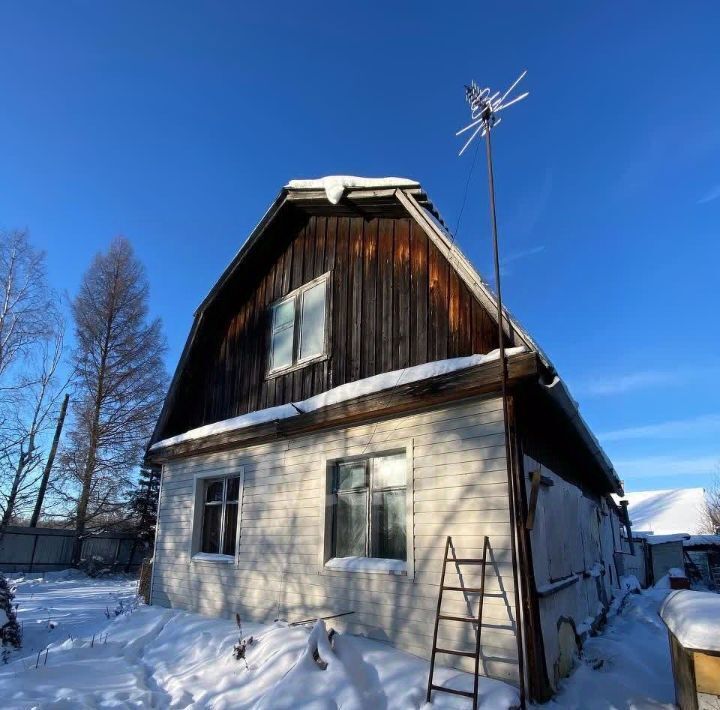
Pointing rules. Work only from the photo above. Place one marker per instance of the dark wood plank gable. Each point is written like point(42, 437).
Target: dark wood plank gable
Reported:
point(395, 301)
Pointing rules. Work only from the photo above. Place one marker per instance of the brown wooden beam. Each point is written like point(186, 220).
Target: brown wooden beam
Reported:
point(411, 397)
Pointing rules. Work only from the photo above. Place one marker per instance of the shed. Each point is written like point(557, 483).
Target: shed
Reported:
point(665, 552)
point(693, 622)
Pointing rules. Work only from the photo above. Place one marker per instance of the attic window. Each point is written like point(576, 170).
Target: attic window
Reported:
point(298, 333)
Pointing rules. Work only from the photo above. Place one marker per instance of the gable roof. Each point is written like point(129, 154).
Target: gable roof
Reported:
point(372, 194)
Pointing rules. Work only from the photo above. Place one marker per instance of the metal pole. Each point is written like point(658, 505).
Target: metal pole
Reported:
point(506, 418)
point(49, 464)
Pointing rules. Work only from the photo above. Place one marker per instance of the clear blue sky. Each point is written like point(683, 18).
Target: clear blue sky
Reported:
point(175, 124)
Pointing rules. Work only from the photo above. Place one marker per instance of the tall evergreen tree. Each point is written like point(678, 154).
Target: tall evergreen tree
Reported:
point(120, 383)
point(144, 503)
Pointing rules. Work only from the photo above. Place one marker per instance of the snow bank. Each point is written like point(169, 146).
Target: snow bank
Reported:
point(694, 618)
point(335, 185)
point(167, 658)
point(342, 393)
point(626, 666)
point(630, 583)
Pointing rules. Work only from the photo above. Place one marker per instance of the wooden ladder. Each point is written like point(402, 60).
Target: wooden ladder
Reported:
point(468, 619)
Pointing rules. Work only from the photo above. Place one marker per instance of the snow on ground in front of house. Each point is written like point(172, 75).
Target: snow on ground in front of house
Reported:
point(155, 657)
point(625, 666)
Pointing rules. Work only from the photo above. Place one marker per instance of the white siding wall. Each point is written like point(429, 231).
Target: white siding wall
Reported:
point(459, 489)
point(573, 535)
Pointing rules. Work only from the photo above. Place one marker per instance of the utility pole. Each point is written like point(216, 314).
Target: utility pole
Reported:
point(484, 108)
point(49, 463)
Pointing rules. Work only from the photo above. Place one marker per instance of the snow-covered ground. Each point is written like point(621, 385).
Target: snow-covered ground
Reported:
point(154, 657)
point(627, 665)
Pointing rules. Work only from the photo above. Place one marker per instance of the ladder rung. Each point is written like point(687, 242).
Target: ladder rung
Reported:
point(469, 590)
point(471, 619)
point(466, 693)
point(465, 561)
point(468, 654)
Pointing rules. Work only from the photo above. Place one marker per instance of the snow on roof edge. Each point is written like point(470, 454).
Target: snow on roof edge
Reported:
point(335, 185)
point(341, 393)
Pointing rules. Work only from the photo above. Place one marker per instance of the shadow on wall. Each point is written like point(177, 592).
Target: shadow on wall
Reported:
point(280, 540)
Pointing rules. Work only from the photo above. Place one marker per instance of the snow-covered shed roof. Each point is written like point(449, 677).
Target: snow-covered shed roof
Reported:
point(665, 512)
point(335, 189)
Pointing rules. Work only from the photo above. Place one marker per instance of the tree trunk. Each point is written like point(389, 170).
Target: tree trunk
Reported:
point(12, 498)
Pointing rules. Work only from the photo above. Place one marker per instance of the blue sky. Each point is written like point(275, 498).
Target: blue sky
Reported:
point(175, 124)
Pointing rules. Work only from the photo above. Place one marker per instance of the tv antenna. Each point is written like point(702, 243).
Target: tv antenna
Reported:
point(484, 109)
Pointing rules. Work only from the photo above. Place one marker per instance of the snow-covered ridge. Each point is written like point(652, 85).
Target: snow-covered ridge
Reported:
point(342, 393)
point(335, 185)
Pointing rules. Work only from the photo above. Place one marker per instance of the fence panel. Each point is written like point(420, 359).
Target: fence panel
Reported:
point(49, 549)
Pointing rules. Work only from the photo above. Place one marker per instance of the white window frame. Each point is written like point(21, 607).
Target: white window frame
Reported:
point(297, 297)
point(328, 502)
point(199, 481)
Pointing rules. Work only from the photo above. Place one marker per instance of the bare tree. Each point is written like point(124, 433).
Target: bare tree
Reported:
point(119, 387)
point(35, 401)
point(710, 516)
point(24, 298)
point(30, 353)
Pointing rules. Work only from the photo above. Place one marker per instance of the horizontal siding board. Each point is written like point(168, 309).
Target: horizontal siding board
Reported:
point(459, 488)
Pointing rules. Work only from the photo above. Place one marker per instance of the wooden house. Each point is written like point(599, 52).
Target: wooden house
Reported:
point(336, 414)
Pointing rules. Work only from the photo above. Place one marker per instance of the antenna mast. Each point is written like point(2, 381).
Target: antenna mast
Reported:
point(485, 107)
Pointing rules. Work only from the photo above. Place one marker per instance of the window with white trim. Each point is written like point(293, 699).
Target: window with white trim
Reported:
point(369, 507)
point(221, 500)
point(298, 326)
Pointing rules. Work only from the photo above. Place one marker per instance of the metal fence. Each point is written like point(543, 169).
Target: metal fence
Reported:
point(48, 549)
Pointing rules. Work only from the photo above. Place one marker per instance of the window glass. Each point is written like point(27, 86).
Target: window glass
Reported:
point(369, 510)
point(233, 488)
point(388, 510)
point(312, 322)
point(220, 513)
point(282, 348)
point(211, 529)
point(231, 515)
point(351, 475)
point(284, 315)
point(214, 492)
point(389, 471)
point(351, 525)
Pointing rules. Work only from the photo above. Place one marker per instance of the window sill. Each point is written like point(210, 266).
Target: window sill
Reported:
point(212, 557)
point(297, 366)
point(374, 565)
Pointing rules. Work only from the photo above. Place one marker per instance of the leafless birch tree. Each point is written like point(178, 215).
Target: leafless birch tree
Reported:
point(34, 404)
point(25, 300)
point(119, 387)
point(30, 353)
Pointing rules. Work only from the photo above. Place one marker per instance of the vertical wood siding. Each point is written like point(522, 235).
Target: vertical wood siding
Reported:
point(459, 489)
point(395, 302)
